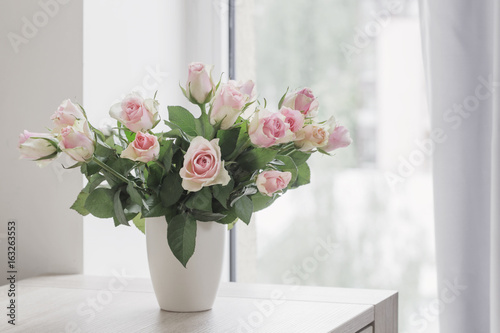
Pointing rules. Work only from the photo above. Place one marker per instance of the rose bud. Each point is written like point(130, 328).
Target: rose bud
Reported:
point(36, 146)
point(200, 85)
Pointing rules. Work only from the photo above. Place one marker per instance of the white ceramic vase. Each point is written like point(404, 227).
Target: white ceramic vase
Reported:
point(188, 289)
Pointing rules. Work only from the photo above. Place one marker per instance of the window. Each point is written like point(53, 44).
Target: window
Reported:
point(148, 53)
point(365, 221)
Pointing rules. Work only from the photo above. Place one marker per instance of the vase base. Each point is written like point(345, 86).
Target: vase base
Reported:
point(185, 311)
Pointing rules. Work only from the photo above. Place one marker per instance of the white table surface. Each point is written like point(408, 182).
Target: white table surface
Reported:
point(78, 303)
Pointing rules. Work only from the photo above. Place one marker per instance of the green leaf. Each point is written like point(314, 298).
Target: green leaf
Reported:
point(129, 134)
point(288, 165)
point(299, 157)
point(52, 142)
point(100, 203)
point(135, 196)
point(157, 208)
point(203, 127)
point(94, 181)
point(183, 119)
point(166, 154)
point(90, 168)
point(131, 210)
point(244, 209)
point(245, 191)
point(119, 214)
point(79, 204)
point(110, 179)
point(48, 157)
point(261, 201)
point(205, 216)
point(304, 176)
point(227, 141)
point(232, 224)
point(256, 158)
point(155, 175)
point(122, 165)
point(242, 136)
point(282, 99)
point(102, 151)
point(140, 223)
point(181, 236)
point(222, 193)
point(230, 218)
point(200, 200)
point(171, 189)
point(76, 165)
point(110, 141)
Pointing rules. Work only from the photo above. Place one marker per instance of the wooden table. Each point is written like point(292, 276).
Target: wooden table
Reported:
point(78, 303)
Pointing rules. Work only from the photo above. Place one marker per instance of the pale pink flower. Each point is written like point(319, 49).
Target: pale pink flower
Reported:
point(76, 141)
point(200, 85)
point(227, 105)
point(33, 147)
point(267, 129)
point(66, 115)
point(136, 113)
point(247, 88)
point(312, 136)
point(294, 118)
point(339, 138)
point(269, 182)
point(144, 148)
point(203, 165)
point(304, 101)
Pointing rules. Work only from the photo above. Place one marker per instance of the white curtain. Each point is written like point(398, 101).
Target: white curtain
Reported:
point(460, 42)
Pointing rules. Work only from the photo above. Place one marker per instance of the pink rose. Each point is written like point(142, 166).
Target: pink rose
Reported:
point(227, 105)
point(269, 182)
point(304, 101)
point(312, 136)
point(65, 115)
point(339, 138)
point(200, 85)
point(293, 118)
point(247, 88)
point(32, 147)
point(136, 113)
point(203, 165)
point(144, 148)
point(267, 129)
point(76, 141)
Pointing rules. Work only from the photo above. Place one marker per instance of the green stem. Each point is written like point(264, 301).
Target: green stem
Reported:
point(203, 108)
point(110, 170)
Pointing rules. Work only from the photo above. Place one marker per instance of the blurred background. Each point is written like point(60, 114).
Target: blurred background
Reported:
point(372, 199)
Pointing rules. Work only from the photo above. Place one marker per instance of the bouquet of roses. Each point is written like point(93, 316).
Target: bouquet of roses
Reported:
point(218, 167)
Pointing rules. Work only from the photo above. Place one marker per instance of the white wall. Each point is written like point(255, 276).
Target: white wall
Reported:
point(35, 76)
